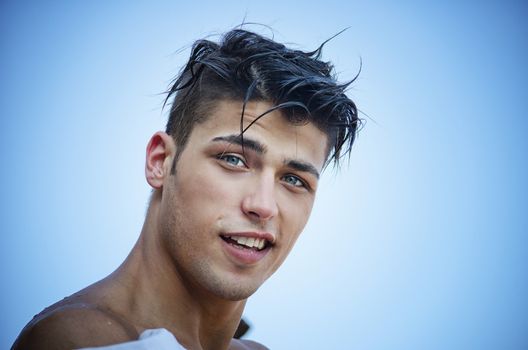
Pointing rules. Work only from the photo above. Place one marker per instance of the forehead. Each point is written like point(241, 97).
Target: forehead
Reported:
point(272, 130)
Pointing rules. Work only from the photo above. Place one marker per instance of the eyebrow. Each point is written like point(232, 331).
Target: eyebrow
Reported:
point(302, 166)
point(261, 149)
point(244, 142)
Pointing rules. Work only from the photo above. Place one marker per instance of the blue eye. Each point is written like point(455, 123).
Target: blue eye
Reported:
point(232, 160)
point(293, 181)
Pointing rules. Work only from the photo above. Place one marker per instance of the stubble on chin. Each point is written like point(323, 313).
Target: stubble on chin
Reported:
point(198, 269)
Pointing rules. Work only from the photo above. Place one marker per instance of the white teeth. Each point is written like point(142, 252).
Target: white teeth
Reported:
point(240, 240)
point(250, 242)
point(259, 243)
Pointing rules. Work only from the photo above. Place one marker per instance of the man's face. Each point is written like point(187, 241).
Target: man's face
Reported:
point(224, 197)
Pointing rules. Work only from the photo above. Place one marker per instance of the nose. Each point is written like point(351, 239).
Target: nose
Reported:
point(259, 203)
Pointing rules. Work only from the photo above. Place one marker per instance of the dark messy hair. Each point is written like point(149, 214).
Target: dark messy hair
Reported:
point(245, 66)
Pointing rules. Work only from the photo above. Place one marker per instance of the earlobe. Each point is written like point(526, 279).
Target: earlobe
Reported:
point(160, 151)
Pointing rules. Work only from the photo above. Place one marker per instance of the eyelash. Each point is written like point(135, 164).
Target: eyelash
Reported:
point(224, 158)
point(302, 184)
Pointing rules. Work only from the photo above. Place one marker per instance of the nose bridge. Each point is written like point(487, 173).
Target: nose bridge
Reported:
point(260, 202)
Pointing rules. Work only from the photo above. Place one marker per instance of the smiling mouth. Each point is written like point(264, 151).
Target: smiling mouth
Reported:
point(256, 244)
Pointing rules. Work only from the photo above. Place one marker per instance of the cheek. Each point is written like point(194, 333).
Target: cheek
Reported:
point(295, 214)
point(206, 193)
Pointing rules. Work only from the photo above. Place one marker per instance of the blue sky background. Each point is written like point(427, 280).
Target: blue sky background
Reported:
point(420, 243)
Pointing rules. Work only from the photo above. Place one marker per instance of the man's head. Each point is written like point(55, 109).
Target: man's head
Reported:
point(245, 66)
point(251, 127)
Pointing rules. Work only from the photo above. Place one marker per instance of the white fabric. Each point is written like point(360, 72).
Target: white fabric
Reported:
point(150, 339)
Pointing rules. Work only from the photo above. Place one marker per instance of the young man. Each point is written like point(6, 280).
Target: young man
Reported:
point(234, 177)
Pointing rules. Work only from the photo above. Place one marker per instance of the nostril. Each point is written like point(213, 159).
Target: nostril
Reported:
point(259, 207)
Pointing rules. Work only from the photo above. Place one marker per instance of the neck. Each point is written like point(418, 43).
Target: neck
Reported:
point(153, 294)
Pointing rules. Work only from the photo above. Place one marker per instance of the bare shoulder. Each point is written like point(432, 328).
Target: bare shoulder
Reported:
point(244, 344)
point(73, 326)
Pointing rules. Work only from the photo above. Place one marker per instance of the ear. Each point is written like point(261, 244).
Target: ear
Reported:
point(160, 154)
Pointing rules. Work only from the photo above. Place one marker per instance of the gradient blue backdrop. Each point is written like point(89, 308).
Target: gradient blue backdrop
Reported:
point(420, 243)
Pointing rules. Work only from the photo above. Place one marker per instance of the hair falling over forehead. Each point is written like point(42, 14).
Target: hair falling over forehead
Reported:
point(245, 66)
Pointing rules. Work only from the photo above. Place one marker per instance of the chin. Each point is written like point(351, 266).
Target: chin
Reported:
point(234, 291)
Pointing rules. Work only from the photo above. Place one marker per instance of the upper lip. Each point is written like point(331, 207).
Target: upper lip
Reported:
point(269, 237)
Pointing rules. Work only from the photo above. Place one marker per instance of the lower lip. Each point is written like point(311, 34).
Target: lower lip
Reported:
point(243, 255)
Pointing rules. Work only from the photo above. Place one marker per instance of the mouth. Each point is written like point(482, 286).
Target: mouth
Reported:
point(249, 243)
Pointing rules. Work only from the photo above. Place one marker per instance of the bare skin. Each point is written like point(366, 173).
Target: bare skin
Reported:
point(186, 273)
